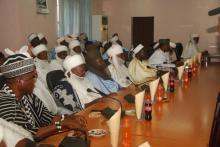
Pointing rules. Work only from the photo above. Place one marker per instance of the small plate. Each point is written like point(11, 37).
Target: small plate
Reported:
point(97, 132)
point(130, 112)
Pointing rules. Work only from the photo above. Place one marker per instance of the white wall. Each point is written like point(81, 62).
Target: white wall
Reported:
point(19, 19)
point(175, 19)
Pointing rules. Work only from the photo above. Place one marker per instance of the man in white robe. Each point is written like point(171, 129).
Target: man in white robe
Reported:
point(191, 48)
point(161, 55)
point(74, 47)
point(75, 71)
point(41, 62)
point(138, 67)
point(118, 70)
point(60, 53)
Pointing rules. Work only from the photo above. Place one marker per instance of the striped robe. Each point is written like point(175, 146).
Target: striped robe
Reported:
point(29, 112)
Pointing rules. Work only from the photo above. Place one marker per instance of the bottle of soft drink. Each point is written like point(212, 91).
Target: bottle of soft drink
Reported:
point(148, 110)
point(171, 84)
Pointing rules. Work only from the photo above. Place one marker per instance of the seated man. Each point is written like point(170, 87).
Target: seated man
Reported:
point(75, 70)
point(161, 55)
point(60, 54)
point(41, 62)
point(98, 74)
point(137, 68)
point(191, 48)
point(33, 40)
point(20, 106)
point(118, 70)
point(74, 47)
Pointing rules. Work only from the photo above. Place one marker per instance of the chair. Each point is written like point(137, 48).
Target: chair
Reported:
point(178, 50)
point(53, 78)
point(214, 140)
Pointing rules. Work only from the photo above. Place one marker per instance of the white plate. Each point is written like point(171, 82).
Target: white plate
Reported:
point(97, 132)
point(130, 112)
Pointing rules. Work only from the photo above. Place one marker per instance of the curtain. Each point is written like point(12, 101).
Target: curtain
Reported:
point(74, 17)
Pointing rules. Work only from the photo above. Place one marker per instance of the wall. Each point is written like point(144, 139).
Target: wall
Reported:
point(175, 19)
point(20, 19)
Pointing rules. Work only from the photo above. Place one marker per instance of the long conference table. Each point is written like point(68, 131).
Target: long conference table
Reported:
point(184, 121)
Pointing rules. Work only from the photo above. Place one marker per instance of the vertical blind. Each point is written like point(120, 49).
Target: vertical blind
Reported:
point(74, 16)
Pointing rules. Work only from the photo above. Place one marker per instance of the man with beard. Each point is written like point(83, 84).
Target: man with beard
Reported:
point(98, 73)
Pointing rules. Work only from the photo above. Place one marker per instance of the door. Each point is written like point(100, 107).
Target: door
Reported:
point(142, 31)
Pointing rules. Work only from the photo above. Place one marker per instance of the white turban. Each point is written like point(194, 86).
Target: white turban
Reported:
point(74, 36)
point(59, 40)
point(104, 43)
point(72, 62)
point(31, 37)
point(138, 48)
point(60, 48)
point(194, 35)
point(40, 35)
point(74, 44)
point(68, 39)
point(173, 45)
point(38, 49)
point(114, 39)
point(115, 49)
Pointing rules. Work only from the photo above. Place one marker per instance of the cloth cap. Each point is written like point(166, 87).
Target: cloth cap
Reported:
point(164, 41)
point(31, 37)
point(60, 48)
point(72, 62)
point(16, 65)
point(115, 49)
point(138, 48)
point(38, 49)
point(40, 36)
point(74, 44)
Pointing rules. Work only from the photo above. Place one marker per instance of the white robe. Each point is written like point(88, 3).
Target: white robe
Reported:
point(159, 57)
point(139, 71)
point(56, 65)
point(118, 71)
point(190, 50)
point(44, 95)
point(81, 85)
point(11, 133)
point(43, 67)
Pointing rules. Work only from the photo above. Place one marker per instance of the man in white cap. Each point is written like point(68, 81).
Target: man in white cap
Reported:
point(161, 55)
point(60, 53)
point(42, 38)
point(33, 40)
point(191, 48)
point(75, 48)
point(117, 68)
point(75, 72)
point(137, 68)
point(41, 61)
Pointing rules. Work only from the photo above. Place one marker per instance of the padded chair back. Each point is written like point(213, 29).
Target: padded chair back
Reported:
point(214, 140)
point(53, 78)
point(178, 50)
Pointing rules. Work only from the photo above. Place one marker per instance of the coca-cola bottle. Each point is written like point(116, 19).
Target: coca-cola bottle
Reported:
point(148, 110)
